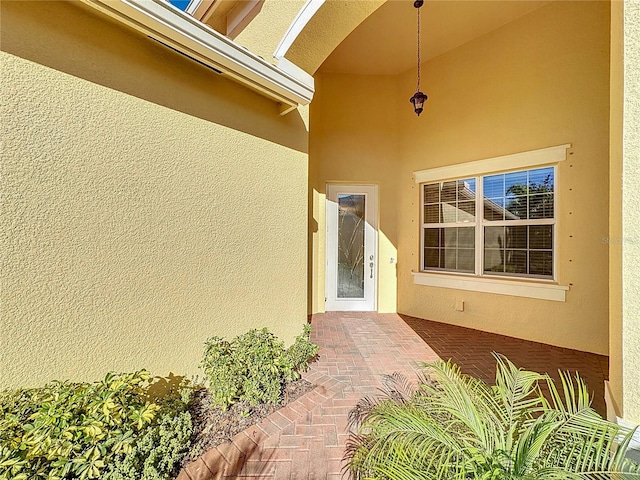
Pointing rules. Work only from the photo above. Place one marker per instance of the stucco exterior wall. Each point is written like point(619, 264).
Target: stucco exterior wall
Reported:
point(354, 140)
point(521, 87)
point(631, 206)
point(262, 36)
point(616, 89)
point(537, 82)
point(149, 202)
point(331, 24)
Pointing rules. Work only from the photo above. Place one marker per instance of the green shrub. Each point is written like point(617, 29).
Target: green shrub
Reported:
point(81, 431)
point(253, 367)
point(452, 426)
point(158, 452)
point(302, 350)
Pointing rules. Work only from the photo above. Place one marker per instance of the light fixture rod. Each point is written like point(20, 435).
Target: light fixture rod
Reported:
point(418, 98)
point(418, 86)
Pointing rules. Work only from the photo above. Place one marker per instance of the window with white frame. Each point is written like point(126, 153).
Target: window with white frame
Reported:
point(501, 224)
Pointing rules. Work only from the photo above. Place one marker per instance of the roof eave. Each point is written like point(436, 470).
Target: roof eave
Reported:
point(169, 25)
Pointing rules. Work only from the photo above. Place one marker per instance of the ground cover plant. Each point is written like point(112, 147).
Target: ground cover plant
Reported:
point(453, 426)
point(113, 430)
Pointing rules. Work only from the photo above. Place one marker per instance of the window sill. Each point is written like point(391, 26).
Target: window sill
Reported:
point(516, 288)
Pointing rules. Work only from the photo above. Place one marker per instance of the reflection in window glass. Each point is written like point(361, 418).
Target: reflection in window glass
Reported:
point(449, 249)
point(450, 202)
point(521, 250)
point(519, 195)
point(517, 222)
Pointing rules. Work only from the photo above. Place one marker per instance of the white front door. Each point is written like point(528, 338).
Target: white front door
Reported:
point(352, 258)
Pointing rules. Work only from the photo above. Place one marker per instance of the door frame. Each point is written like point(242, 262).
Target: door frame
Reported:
point(370, 302)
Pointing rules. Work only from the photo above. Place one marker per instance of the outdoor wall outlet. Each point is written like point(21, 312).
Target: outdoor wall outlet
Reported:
point(392, 260)
point(460, 306)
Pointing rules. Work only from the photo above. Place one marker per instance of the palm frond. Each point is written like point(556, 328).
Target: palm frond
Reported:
point(453, 426)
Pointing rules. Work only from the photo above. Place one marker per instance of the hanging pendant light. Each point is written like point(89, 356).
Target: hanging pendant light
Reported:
point(418, 98)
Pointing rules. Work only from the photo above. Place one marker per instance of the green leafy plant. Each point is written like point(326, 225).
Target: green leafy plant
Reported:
point(81, 430)
point(452, 426)
point(253, 367)
point(302, 350)
point(158, 452)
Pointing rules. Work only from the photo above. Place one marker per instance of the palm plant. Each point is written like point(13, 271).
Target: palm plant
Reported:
point(453, 426)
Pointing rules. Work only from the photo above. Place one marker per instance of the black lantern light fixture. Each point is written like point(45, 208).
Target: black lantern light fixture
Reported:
point(418, 98)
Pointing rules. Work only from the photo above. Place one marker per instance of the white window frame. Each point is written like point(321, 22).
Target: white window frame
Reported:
point(522, 286)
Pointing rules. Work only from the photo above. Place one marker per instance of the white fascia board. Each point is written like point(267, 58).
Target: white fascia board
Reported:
point(193, 6)
point(533, 158)
point(160, 20)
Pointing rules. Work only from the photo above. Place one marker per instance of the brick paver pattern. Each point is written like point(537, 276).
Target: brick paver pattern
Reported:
point(306, 439)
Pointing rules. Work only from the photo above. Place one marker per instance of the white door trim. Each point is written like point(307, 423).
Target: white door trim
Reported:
point(369, 302)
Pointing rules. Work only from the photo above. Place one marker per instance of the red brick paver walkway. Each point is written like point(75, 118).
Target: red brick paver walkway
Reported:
point(306, 439)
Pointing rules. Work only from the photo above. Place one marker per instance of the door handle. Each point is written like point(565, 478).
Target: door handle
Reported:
point(371, 265)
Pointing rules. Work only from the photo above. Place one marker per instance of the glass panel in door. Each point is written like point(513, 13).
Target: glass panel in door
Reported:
point(351, 225)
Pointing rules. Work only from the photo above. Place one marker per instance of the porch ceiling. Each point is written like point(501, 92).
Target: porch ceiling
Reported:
point(385, 43)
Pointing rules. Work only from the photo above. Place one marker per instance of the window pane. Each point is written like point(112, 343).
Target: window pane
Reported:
point(448, 192)
point(450, 237)
point(493, 260)
point(494, 237)
point(516, 208)
point(450, 248)
point(540, 237)
point(516, 237)
point(466, 211)
point(494, 208)
point(450, 259)
point(467, 237)
point(516, 183)
point(466, 259)
point(515, 261)
point(432, 193)
point(449, 212)
point(432, 237)
point(541, 191)
point(541, 263)
point(541, 206)
point(494, 186)
point(541, 178)
point(432, 213)
point(470, 185)
point(519, 250)
point(431, 258)
point(450, 202)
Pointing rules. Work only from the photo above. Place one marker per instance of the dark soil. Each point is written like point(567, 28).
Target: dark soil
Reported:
point(212, 426)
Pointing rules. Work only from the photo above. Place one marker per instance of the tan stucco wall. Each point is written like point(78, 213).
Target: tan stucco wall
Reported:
point(539, 81)
point(354, 140)
point(614, 399)
point(150, 203)
point(631, 206)
point(521, 87)
point(262, 36)
point(331, 24)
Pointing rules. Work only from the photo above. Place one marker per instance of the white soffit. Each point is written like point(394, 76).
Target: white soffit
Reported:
point(544, 156)
point(161, 21)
